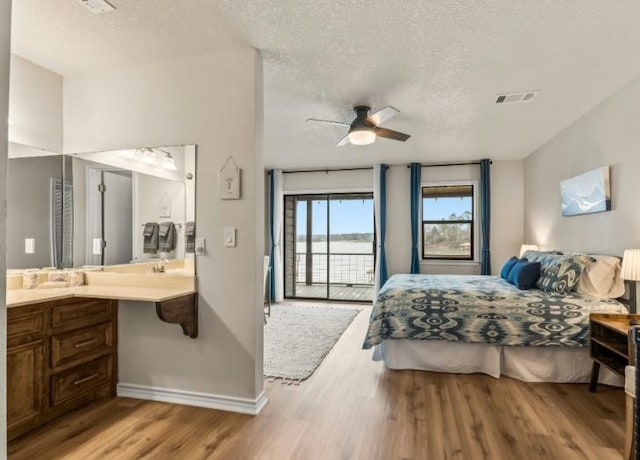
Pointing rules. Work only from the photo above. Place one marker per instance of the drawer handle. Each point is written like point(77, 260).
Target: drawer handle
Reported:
point(86, 379)
point(85, 343)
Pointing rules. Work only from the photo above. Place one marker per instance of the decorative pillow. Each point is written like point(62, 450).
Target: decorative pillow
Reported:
point(524, 274)
point(601, 278)
point(508, 265)
point(560, 274)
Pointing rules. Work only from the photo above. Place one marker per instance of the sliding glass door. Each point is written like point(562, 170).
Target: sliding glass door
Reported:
point(329, 247)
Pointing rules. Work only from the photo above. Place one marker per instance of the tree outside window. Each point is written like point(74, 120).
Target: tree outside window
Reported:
point(447, 222)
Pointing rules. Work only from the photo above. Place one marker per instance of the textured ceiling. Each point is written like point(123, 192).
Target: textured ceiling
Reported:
point(441, 63)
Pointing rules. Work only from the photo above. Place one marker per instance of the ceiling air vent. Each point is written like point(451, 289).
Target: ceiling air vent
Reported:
point(97, 6)
point(512, 98)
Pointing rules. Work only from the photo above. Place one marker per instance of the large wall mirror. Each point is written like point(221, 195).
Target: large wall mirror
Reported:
point(94, 208)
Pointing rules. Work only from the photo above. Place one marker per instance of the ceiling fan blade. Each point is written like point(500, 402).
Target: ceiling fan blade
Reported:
point(383, 115)
point(330, 122)
point(390, 134)
point(344, 141)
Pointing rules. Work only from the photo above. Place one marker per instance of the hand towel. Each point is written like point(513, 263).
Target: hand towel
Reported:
point(167, 238)
point(190, 237)
point(150, 234)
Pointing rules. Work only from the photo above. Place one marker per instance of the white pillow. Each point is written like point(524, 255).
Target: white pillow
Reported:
point(602, 278)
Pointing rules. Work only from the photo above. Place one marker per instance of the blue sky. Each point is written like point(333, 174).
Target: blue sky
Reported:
point(441, 208)
point(347, 216)
point(356, 216)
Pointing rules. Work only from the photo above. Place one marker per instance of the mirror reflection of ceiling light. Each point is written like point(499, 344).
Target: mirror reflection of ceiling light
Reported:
point(148, 156)
point(131, 154)
point(168, 162)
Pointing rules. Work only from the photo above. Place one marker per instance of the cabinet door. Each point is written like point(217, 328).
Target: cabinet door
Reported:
point(25, 382)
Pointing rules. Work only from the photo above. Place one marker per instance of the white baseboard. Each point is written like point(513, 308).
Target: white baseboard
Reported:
point(190, 398)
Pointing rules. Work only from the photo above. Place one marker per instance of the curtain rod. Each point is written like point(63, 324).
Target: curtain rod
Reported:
point(436, 165)
point(325, 170)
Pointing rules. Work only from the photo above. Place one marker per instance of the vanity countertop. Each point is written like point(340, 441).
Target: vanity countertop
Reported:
point(19, 297)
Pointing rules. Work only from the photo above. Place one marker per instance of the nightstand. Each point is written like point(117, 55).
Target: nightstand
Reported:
point(609, 336)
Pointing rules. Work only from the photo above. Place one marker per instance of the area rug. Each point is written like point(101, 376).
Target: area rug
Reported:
point(297, 338)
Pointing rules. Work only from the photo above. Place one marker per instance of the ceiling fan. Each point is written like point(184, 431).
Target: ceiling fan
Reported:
point(365, 128)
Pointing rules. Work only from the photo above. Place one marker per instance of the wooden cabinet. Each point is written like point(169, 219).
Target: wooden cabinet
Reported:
point(609, 338)
point(25, 392)
point(60, 355)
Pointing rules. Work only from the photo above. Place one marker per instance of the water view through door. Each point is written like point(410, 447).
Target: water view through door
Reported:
point(329, 246)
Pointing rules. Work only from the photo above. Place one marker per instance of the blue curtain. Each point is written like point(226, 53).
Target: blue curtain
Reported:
point(415, 213)
point(384, 274)
point(485, 215)
point(272, 278)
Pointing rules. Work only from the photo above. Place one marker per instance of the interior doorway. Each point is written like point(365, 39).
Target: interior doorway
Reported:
point(109, 216)
point(329, 246)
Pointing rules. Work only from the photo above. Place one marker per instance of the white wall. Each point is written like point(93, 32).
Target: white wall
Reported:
point(333, 181)
point(35, 105)
point(213, 101)
point(607, 135)
point(5, 34)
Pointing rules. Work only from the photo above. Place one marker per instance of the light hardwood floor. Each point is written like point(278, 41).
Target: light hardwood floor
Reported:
point(353, 408)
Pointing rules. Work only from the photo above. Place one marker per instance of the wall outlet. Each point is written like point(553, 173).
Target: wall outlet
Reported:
point(29, 245)
point(200, 248)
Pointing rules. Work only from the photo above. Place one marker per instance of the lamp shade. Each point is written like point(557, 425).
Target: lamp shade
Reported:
point(631, 265)
point(528, 247)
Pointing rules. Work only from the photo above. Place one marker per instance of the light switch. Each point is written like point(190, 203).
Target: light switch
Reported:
point(200, 248)
point(230, 237)
point(97, 246)
point(29, 245)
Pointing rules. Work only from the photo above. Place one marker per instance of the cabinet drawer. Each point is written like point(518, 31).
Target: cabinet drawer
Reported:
point(81, 345)
point(24, 325)
point(73, 383)
point(80, 313)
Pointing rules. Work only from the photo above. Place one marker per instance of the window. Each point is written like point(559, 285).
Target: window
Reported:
point(448, 222)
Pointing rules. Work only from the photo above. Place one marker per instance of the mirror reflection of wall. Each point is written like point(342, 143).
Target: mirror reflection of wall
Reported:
point(30, 232)
point(90, 209)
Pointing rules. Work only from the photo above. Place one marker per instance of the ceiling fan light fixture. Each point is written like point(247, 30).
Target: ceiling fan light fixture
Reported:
point(362, 137)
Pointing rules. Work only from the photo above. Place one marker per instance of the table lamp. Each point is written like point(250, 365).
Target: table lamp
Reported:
point(630, 271)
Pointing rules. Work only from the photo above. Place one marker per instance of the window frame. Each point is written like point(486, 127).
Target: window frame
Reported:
point(474, 231)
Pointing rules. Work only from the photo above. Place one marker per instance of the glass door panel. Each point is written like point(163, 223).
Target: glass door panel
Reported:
point(306, 246)
point(329, 247)
point(351, 247)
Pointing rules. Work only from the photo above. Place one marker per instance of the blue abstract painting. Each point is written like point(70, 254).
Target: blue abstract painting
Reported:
point(587, 193)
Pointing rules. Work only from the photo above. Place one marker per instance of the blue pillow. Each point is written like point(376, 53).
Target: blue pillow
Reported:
point(524, 274)
point(506, 268)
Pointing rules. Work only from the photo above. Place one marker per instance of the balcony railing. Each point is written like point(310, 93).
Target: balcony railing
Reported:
point(344, 268)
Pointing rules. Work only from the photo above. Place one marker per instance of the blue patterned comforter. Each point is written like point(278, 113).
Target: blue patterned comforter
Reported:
point(480, 309)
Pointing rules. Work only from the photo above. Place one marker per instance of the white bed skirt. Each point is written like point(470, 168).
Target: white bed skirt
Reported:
point(529, 364)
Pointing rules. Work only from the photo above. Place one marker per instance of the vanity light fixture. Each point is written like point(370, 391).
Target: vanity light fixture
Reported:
point(168, 162)
point(148, 156)
point(131, 154)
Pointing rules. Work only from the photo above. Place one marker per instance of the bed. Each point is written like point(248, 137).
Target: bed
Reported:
point(471, 324)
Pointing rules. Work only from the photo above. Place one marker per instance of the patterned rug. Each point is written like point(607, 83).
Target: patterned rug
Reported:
point(297, 338)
